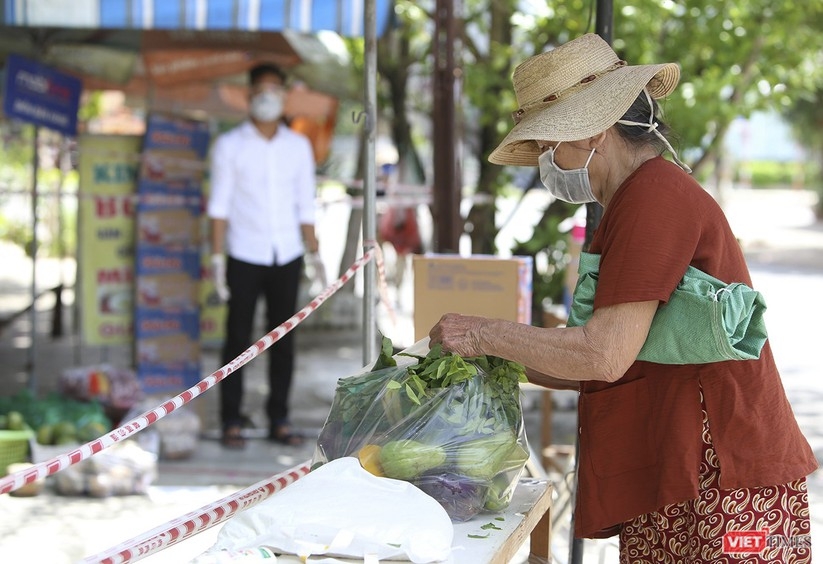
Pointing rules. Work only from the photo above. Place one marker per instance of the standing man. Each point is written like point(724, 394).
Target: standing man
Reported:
point(262, 214)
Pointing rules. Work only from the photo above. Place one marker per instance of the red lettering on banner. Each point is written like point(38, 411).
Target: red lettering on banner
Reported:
point(744, 542)
point(105, 207)
point(166, 138)
point(115, 330)
point(112, 206)
point(156, 325)
point(115, 276)
point(165, 263)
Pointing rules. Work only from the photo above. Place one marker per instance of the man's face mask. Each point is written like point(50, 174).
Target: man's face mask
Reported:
point(570, 186)
point(267, 106)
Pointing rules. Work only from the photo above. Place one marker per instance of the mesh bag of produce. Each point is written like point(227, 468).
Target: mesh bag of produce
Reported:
point(450, 425)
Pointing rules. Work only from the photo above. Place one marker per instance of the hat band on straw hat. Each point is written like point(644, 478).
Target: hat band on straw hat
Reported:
point(518, 114)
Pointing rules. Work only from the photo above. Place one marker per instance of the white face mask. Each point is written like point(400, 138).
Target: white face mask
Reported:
point(571, 186)
point(267, 106)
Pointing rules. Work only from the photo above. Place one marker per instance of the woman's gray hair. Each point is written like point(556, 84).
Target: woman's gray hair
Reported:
point(639, 112)
point(641, 126)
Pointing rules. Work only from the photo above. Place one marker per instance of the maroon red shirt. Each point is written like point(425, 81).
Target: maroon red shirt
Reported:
point(640, 437)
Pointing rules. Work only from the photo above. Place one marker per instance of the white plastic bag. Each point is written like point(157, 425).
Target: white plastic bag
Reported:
point(339, 509)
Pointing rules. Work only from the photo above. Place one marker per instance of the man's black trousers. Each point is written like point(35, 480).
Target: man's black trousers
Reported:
point(278, 285)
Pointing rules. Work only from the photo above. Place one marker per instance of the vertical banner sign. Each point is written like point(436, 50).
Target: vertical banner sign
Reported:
point(41, 95)
point(167, 253)
point(108, 180)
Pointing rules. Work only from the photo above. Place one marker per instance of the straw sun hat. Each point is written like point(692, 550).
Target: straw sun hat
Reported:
point(574, 91)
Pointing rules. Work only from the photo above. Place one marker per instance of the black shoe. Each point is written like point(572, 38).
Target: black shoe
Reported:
point(285, 435)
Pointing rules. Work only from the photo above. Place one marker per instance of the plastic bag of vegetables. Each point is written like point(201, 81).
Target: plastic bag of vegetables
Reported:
point(452, 426)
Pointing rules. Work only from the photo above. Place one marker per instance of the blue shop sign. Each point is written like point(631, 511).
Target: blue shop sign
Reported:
point(41, 95)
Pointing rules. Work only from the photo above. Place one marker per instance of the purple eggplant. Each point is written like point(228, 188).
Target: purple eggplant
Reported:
point(460, 496)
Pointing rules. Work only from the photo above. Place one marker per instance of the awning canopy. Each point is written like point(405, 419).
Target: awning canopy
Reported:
point(131, 44)
point(308, 16)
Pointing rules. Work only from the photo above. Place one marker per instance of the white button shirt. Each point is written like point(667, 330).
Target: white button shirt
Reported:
point(264, 189)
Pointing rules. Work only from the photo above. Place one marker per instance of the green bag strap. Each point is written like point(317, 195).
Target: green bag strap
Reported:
point(705, 320)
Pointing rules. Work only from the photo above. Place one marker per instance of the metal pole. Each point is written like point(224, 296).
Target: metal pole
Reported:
point(603, 27)
point(57, 318)
point(369, 187)
point(594, 212)
point(447, 190)
point(33, 250)
point(78, 319)
point(604, 20)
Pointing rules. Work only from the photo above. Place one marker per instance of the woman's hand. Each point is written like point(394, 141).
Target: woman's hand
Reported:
point(460, 334)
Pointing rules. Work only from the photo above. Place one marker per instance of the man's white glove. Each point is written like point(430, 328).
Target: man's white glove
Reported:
point(218, 276)
point(316, 273)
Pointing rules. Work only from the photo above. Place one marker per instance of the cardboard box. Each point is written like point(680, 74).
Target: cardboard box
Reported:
point(478, 285)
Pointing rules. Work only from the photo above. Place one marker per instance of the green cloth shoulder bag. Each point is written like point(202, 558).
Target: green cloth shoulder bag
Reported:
point(705, 320)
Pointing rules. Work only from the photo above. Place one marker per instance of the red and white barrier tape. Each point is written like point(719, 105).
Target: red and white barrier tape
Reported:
point(172, 532)
point(19, 479)
point(382, 285)
point(197, 521)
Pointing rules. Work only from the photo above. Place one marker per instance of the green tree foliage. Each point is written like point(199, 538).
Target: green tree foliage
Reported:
point(805, 113)
point(397, 55)
point(736, 57)
point(16, 140)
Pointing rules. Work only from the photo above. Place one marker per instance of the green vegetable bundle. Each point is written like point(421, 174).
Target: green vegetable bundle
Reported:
point(55, 418)
point(452, 425)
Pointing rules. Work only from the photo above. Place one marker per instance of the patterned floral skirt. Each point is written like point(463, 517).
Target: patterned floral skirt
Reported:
point(749, 525)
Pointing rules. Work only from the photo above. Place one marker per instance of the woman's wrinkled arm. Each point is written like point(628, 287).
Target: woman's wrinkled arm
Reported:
point(546, 381)
point(601, 350)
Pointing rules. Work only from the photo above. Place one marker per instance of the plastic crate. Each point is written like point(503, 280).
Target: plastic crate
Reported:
point(14, 447)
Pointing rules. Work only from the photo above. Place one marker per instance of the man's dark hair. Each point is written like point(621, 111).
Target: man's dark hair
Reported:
point(257, 72)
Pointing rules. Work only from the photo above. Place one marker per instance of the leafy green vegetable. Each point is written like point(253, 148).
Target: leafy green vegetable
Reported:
point(491, 526)
point(479, 536)
point(385, 359)
point(439, 370)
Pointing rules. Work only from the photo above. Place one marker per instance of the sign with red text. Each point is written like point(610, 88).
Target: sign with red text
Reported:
point(44, 96)
point(108, 167)
point(167, 253)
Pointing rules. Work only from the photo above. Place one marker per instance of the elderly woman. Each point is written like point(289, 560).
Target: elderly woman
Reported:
point(672, 456)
